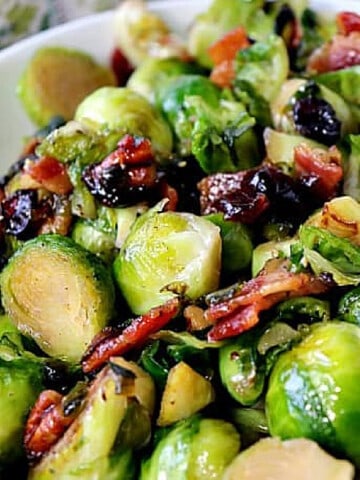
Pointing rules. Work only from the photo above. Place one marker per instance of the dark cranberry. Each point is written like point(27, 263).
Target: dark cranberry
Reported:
point(314, 117)
point(183, 174)
point(23, 213)
point(112, 187)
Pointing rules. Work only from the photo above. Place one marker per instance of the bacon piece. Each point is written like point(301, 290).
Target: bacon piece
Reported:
point(240, 313)
point(223, 53)
point(341, 52)
point(132, 151)
point(321, 171)
point(347, 22)
point(112, 341)
point(51, 174)
point(46, 424)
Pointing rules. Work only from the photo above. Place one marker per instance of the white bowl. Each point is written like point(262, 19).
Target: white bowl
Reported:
point(93, 34)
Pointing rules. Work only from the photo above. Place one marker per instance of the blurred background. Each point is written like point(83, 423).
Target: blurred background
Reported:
point(21, 18)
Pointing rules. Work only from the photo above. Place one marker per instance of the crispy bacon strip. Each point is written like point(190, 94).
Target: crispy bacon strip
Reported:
point(46, 424)
point(51, 174)
point(240, 313)
point(341, 52)
point(324, 169)
point(113, 341)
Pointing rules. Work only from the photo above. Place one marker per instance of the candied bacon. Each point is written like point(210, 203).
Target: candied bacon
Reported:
point(241, 312)
point(114, 341)
point(51, 174)
point(341, 52)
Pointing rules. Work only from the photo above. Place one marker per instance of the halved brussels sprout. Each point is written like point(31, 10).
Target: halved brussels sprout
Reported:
point(57, 79)
point(124, 111)
point(196, 448)
point(298, 459)
point(314, 389)
point(115, 419)
point(58, 293)
point(352, 168)
point(165, 251)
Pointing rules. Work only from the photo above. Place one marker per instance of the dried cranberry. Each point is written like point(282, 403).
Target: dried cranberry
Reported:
point(314, 117)
point(23, 213)
point(118, 185)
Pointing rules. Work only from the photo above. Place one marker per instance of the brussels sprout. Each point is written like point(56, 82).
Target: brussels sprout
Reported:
point(349, 307)
point(170, 100)
point(216, 130)
point(165, 250)
point(300, 308)
point(345, 82)
point(152, 74)
point(341, 253)
point(352, 168)
point(268, 250)
point(95, 238)
point(115, 419)
point(21, 380)
point(236, 243)
point(267, 59)
point(196, 448)
point(57, 293)
point(240, 370)
point(314, 389)
point(297, 459)
point(125, 111)
point(140, 34)
point(75, 142)
point(56, 80)
point(83, 204)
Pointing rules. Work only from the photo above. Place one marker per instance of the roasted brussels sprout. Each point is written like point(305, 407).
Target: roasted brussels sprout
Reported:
point(346, 83)
point(113, 420)
point(57, 79)
point(21, 380)
point(349, 306)
point(152, 74)
point(296, 459)
point(314, 389)
point(197, 448)
point(141, 33)
point(241, 373)
point(266, 59)
point(217, 130)
point(183, 249)
point(58, 293)
point(237, 246)
point(124, 111)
